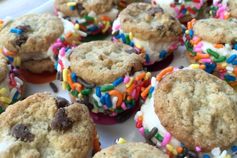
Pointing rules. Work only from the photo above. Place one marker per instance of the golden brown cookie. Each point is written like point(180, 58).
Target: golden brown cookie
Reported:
point(3, 66)
point(45, 126)
point(198, 109)
point(131, 150)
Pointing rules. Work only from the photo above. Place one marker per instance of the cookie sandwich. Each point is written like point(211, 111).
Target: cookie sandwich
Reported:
point(91, 17)
point(11, 86)
point(130, 150)
point(212, 43)
point(190, 113)
point(149, 30)
point(224, 9)
point(46, 126)
point(107, 77)
point(183, 10)
point(26, 43)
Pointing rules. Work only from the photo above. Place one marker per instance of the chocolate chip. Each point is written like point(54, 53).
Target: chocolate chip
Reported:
point(61, 122)
point(192, 154)
point(85, 84)
point(54, 87)
point(22, 132)
point(59, 76)
point(80, 8)
point(61, 102)
point(20, 40)
point(86, 102)
point(152, 11)
point(132, 71)
point(24, 28)
point(123, 116)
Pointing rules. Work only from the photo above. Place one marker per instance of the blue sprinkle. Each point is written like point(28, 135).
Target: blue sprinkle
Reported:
point(92, 28)
point(151, 90)
point(72, 7)
point(55, 65)
point(74, 77)
point(229, 78)
point(191, 33)
point(98, 92)
point(235, 46)
point(102, 100)
point(234, 148)
point(234, 62)
point(15, 97)
point(184, 11)
point(123, 38)
point(163, 54)
point(231, 58)
point(16, 31)
point(132, 44)
point(108, 101)
point(118, 36)
point(210, 67)
point(117, 81)
point(147, 58)
point(10, 59)
point(206, 156)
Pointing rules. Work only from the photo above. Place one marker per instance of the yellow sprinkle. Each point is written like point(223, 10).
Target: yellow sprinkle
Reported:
point(121, 141)
point(64, 85)
point(77, 26)
point(148, 75)
point(130, 35)
point(6, 100)
point(65, 72)
point(227, 156)
point(224, 64)
point(138, 46)
point(107, 25)
point(171, 149)
point(3, 91)
point(187, 31)
point(130, 82)
point(71, 4)
point(194, 66)
point(17, 61)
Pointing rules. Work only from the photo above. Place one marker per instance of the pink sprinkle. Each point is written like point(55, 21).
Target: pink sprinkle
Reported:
point(117, 27)
point(166, 140)
point(141, 131)
point(62, 52)
point(198, 149)
point(134, 93)
point(124, 106)
point(205, 60)
point(126, 79)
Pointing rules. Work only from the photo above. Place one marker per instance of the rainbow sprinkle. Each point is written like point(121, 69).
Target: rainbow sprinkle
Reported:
point(219, 10)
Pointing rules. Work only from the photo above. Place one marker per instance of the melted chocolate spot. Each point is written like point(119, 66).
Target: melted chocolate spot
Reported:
point(86, 102)
point(61, 122)
point(85, 84)
point(61, 102)
point(152, 11)
point(21, 40)
point(123, 116)
point(80, 8)
point(22, 132)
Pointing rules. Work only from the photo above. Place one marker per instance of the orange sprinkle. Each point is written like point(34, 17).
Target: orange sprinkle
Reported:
point(141, 76)
point(77, 86)
point(105, 18)
point(145, 92)
point(68, 35)
point(140, 118)
point(201, 56)
point(233, 83)
point(179, 149)
point(226, 16)
point(118, 95)
point(1, 21)
point(235, 71)
point(12, 54)
point(164, 72)
point(190, 24)
point(218, 45)
point(130, 89)
point(202, 67)
point(129, 98)
point(69, 80)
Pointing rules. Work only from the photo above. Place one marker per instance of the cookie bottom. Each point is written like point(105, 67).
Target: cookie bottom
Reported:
point(160, 64)
point(30, 77)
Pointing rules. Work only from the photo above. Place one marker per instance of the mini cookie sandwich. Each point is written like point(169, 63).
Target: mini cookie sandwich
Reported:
point(148, 30)
point(26, 42)
point(131, 150)
point(184, 10)
point(223, 9)
point(212, 43)
point(46, 126)
point(105, 76)
point(11, 86)
point(190, 113)
point(91, 17)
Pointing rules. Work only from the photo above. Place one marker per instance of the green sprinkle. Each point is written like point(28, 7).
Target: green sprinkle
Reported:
point(68, 87)
point(146, 131)
point(96, 103)
point(159, 137)
point(127, 39)
point(89, 18)
point(74, 93)
point(119, 110)
point(86, 91)
point(220, 59)
point(212, 53)
point(189, 47)
point(106, 88)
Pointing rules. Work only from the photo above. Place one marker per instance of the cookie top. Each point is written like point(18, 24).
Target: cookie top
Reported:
point(31, 34)
point(101, 62)
point(232, 4)
point(131, 150)
point(149, 23)
point(198, 109)
point(45, 126)
point(82, 7)
point(216, 30)
point(3, 66)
